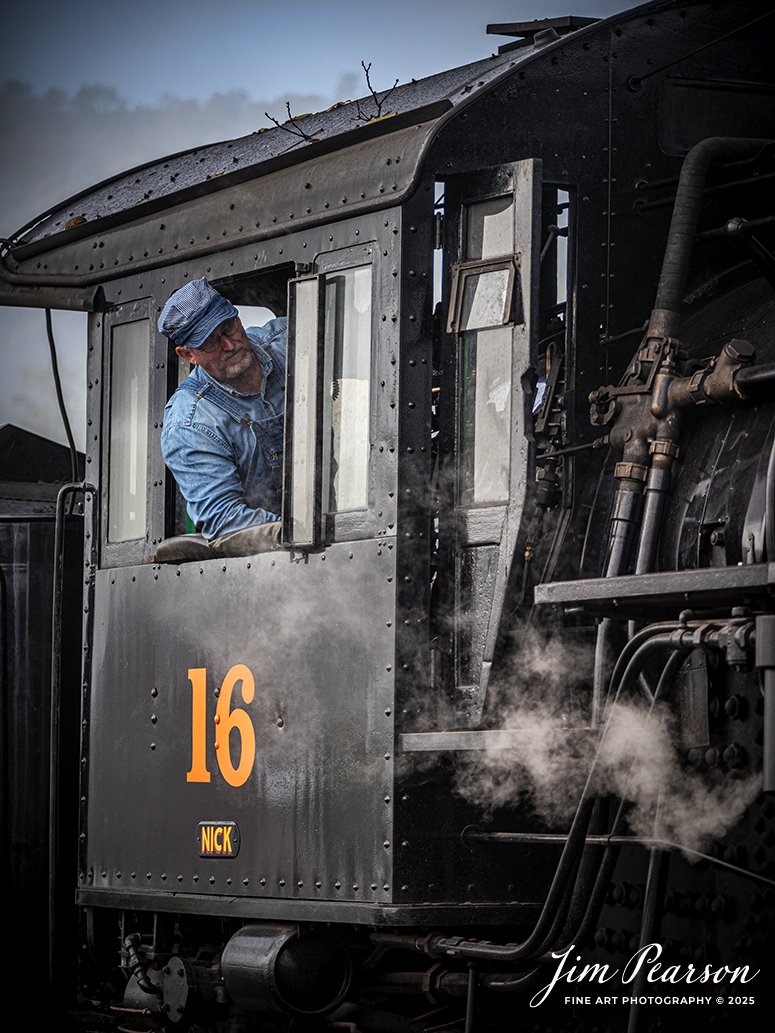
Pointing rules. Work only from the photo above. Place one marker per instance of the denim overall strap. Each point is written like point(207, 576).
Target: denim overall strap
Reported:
point(207, 390)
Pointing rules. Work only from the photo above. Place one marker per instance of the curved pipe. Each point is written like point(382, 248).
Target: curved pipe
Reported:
point(634, 644)
point(634, 667)
point(666, 316)
point(637, 640)
point(577, 889)
point(438, 943)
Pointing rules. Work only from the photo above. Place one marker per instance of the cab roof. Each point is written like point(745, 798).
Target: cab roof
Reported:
point(171, 180)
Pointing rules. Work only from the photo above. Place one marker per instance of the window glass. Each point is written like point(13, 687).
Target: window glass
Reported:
point(486, 415)
point(302, 498)
point(486, 302)
point(127, 480)
point(346, 389)
point(486, 298)
point(490, 228)
point(563, 206)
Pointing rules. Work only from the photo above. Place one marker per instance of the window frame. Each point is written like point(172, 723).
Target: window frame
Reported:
point(463, 271)
point(481, 521)
point(290, 531)
point(347, 525)
point(132, 551)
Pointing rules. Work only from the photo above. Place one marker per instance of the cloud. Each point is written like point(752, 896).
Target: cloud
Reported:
point(62, 142)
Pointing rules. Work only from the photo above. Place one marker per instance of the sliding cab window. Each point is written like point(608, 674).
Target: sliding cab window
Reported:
point(329, 420)
point(485, 303)
point(125, 420)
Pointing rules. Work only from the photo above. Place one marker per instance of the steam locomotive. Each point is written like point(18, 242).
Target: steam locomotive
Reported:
point(487, 740)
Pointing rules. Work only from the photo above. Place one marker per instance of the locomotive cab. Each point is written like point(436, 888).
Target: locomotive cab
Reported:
point(365, 528)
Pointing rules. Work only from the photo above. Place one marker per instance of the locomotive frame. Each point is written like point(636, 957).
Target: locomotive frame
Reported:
point(462, 277)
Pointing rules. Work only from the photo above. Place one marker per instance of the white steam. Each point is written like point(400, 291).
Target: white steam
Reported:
point(637, 758)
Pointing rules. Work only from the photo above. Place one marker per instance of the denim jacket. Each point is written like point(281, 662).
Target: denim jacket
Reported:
point(225, 447)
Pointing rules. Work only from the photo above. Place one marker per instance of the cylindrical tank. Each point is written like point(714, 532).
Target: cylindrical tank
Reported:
point(282, 968)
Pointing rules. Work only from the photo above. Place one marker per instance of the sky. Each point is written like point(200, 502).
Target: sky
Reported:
point(89, 88)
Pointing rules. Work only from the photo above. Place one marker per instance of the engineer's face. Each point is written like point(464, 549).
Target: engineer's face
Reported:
point(226, 354)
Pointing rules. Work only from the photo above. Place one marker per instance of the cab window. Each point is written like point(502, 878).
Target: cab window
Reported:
point(329, 423)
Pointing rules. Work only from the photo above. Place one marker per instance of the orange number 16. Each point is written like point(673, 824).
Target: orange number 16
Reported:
point(225, 720)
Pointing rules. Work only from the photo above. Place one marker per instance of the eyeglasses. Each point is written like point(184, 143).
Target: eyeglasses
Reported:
point(228, 329)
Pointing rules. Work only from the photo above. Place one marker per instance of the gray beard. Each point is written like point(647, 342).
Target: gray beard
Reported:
point(238, 367)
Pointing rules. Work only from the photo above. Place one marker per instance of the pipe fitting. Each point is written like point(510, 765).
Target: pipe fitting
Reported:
point(138, 967)
point(719, 383)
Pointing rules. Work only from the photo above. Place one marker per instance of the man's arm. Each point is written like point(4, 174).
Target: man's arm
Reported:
point(203, 465)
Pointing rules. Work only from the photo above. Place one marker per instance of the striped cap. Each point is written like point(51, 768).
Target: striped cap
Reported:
point(193, 312)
